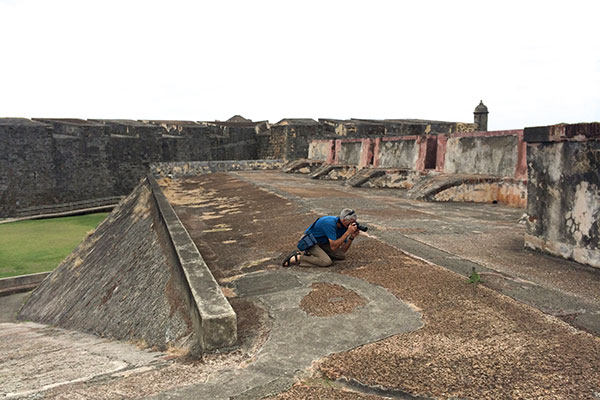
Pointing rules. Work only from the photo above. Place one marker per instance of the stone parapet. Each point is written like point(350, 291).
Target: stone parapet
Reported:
point(216, 322)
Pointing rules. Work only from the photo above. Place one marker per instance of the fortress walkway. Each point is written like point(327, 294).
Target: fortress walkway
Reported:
point(396, 319)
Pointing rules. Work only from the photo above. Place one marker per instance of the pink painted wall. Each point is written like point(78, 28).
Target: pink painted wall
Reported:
point(372, 151)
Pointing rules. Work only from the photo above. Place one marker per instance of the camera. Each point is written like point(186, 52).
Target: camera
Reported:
point(363, 228)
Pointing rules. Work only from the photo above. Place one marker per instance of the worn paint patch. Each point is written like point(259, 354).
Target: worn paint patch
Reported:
point(584, 213)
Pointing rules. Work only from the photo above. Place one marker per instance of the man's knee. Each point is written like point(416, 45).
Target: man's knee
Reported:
point(323, 261)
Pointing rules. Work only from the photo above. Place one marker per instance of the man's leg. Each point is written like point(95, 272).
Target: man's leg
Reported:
point(316, 257)
point(337, 254)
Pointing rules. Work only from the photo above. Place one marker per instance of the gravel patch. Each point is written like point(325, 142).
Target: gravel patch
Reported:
point(326, 300)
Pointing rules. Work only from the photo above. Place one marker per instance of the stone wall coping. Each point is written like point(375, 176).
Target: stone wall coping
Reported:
point(218, 321)
point(513, 132)
point(124, 123)
point(21, 122)
point(397, 138)
point(563, 133)
point(68, 121)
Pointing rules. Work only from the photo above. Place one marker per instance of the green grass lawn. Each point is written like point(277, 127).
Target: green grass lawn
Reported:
point(28, 247)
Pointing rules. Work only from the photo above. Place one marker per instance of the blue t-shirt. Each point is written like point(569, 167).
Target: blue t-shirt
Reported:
point(326, 228)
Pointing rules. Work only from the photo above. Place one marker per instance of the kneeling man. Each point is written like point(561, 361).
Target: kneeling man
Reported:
point(334, 237)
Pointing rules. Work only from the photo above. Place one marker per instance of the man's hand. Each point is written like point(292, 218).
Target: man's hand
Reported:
point(352, 229)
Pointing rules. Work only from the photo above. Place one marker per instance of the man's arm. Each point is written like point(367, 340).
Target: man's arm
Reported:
point(348, 242)
point(334, 244)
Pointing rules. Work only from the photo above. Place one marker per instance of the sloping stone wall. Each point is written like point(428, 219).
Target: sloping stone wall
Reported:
point(123, 281)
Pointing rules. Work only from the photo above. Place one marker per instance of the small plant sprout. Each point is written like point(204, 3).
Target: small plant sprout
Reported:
point(474, 279)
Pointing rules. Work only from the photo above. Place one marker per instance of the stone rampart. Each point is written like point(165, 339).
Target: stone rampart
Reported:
point(564, 191)
point(321, 150)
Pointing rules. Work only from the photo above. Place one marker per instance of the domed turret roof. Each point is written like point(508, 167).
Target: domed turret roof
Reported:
point(481, 108)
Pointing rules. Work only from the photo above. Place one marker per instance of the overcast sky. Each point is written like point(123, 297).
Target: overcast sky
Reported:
point(531, 62)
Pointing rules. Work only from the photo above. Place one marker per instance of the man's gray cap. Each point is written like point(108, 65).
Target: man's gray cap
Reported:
point(348, 214)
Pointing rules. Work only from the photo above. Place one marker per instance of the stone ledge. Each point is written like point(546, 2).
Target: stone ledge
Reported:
point(21, 283)
point(216, 325)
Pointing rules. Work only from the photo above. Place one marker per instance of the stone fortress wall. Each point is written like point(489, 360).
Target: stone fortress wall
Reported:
point(46, 163)
point(49, 162)
point(53, 161)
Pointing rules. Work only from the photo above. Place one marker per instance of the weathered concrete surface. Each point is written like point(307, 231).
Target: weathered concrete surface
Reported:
point(401, 153)
point(10, 305)
point(297, 339)
point(471, 334)
point(349, 152)
point(35, 358)
point(564, 191)
point(121, 282)
point(321, 150)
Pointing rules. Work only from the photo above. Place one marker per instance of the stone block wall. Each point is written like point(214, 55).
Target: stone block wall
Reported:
point(290, 138)
point(26, 164)
point(564, 191)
